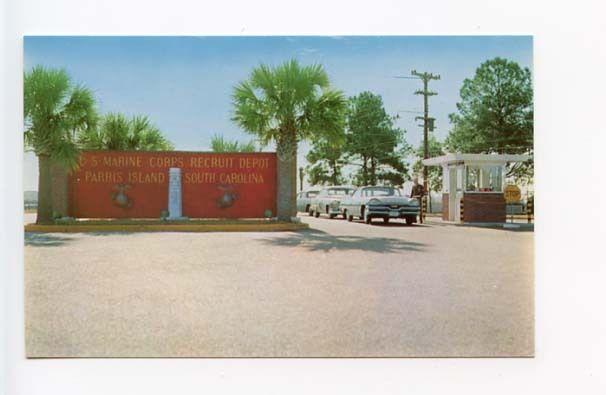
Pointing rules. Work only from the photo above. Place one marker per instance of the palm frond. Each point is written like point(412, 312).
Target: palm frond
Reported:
point(79, 113)
point(66, 153)
point(277, 103)
point(140, 133)
point(119, 133)
point(153, 140)
point(115, 131)
point(251, 113)
point(220, 144)
point(45, 92)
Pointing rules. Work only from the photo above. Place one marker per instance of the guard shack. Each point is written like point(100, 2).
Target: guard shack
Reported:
point(473, 185)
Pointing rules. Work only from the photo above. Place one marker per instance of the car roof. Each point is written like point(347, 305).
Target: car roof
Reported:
point(339, 187)
point(379, 186)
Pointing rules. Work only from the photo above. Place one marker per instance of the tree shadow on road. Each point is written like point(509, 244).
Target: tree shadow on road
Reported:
point(315, 240)
point(392, 224)
point(45, 240)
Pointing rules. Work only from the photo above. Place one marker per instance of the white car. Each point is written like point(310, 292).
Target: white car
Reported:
point(384, 202)
point(304, 199)
point(328, 201)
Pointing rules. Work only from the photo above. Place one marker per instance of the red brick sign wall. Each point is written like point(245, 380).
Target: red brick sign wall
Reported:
point(116, 184)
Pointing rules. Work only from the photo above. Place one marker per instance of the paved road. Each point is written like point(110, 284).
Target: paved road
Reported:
point(339, 289)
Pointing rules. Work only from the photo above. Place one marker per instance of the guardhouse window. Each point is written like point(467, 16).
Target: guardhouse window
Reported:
point(483, 178)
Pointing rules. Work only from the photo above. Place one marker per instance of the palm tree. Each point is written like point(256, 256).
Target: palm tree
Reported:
point(117, 132)
point(287, 104)
point(219, 144)
point(55, 113)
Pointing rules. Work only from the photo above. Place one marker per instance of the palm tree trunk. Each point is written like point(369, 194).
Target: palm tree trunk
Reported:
point(293, 185)
point(45, 197)
point(59, 189)
point(287, 186)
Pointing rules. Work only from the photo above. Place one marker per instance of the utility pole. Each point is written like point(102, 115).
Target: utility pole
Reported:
point(428, 123)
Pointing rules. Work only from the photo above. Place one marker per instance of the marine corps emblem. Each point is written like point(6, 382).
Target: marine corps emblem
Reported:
point(228, 198)
point(119, 196)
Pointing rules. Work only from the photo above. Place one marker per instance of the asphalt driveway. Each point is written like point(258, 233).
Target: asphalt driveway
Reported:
point(337, 290)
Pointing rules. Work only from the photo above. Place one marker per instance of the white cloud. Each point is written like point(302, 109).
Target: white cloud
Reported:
point(309, 51)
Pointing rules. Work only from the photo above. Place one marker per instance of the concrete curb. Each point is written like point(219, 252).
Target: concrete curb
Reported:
point(206, 227)
point(488, 225)
point(498, 225)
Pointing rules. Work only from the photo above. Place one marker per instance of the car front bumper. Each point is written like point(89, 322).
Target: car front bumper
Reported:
point(387, 212)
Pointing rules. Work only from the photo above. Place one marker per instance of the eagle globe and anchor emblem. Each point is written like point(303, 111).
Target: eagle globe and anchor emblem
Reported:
point(228, 197)
point(119, 196)
point(121, 199)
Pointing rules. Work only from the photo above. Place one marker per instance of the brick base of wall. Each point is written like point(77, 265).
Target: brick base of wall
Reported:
point(445, 207)
point(484, 207)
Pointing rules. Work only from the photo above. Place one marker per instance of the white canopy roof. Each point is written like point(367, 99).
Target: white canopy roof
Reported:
point(475, 158)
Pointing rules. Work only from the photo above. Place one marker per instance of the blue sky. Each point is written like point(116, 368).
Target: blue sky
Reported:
point(184, 83)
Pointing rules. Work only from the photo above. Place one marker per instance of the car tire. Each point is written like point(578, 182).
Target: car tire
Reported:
point(332, 216)
point(350, 218)
point(316, 214)
point(344, 214)
point(409, 221)
point(310, 212)
point(367, 219)
point(386, 220)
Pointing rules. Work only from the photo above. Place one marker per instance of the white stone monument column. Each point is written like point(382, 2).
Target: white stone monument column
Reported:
point(174, 193)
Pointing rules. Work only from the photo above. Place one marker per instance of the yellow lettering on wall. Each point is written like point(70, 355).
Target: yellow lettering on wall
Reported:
point(137, 177)
point(241, 178)
point(120, 161)
point(254, 163)
point(213, 162)
point(199, 178)
point(103, 177)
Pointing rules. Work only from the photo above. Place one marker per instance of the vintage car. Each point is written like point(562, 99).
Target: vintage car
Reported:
point(328, 201)
point(380, 202)
point(304, 199)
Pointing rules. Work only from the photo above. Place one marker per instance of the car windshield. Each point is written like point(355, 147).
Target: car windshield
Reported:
point(382, 191)
point(339, 191)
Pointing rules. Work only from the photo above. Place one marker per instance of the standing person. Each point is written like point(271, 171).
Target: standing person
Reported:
point(418, 192)
point(417, 189)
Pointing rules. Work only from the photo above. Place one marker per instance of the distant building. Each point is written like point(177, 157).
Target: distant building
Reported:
point(30, 199)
